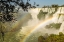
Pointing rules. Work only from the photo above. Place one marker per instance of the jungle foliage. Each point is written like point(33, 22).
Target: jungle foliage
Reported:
point(52, 38)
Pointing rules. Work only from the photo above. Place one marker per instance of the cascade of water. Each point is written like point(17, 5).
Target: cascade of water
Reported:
point(34, 21)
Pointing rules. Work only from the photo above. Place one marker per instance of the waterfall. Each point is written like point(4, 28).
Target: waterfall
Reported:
point(41, 30)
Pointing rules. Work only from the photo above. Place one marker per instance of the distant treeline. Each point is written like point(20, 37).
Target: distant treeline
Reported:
point(53, 5)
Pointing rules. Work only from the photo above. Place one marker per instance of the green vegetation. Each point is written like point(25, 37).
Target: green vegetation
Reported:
point(9, 37)
point(52, 38)
point(54, 25)
point(10, 34)
point(41, 15)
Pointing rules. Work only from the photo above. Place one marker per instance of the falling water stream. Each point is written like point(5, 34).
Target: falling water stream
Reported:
point(36, 27)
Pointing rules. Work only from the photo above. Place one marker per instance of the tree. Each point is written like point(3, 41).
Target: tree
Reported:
point(60, 33)
point(41, 39)
point(7, 8)
point(54, 5)
point(54, 38)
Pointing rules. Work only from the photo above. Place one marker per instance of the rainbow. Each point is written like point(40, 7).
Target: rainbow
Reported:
point(17, 25)
point(20, 22)
point(36, 27)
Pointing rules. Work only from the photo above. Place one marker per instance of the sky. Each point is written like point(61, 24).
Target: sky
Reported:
point(47, 2)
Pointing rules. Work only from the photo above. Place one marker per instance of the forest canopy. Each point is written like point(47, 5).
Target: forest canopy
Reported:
point(52, 38)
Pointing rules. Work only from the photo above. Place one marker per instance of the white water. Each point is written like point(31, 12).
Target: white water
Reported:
point(34, 13)
point(34, 21)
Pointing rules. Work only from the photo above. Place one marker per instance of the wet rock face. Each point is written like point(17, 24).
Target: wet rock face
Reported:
point(41, 15)
point(46, 12)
